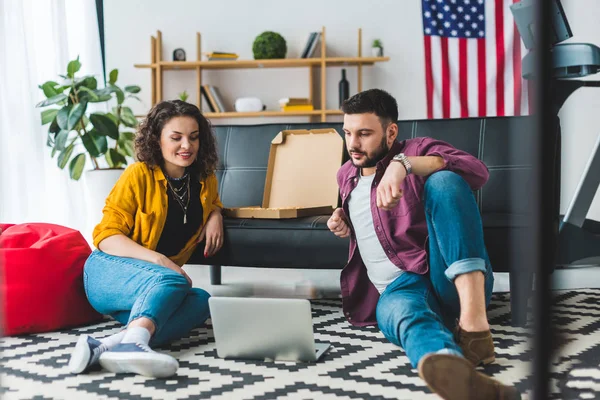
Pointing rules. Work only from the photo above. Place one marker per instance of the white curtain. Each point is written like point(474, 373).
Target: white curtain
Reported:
point(37, 39)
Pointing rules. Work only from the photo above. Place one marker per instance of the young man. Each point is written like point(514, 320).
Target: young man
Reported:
point(418, 266)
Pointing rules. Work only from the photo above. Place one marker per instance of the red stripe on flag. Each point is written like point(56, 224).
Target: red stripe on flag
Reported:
point(517, 67)
point(500, 56)
point(428, 77)
point(445, 78)
point(481, 77)
point(462, 78)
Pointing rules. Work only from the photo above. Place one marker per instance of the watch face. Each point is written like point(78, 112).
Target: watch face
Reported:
point(179, 55)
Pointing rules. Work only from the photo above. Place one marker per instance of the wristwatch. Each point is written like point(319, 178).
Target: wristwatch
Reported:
point(404, 161)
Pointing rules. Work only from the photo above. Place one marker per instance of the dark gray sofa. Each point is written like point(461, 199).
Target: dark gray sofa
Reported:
point(307, 243)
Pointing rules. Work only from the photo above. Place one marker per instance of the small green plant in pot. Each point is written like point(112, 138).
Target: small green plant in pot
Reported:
point(377, 48)
point(269, 45)
point(75, 133)
point(183, 96)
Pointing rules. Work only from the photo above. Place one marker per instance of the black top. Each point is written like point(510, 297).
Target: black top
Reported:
point(175, 233)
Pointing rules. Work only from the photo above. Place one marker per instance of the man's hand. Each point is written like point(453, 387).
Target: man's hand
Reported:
point(337, 223)
point(213, 232)
point(388, 191)
point(166, 262)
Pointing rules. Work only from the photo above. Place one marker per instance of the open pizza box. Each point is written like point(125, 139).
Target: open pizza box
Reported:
point(301, 176)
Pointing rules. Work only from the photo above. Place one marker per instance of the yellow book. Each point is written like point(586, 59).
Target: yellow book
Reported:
point(300, 107)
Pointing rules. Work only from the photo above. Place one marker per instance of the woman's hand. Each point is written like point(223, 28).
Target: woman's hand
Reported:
point(213, 232)
point(168, 263)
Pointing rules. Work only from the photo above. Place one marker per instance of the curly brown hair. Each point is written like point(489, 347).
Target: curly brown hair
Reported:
point(147, 140)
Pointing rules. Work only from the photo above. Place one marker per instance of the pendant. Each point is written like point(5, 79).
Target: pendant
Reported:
point(185, 218)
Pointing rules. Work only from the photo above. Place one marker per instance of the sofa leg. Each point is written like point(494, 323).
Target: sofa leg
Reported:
point(520, 291)
point(215, 274)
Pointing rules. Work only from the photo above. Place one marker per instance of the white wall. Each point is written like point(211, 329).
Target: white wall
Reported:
point(232, 25)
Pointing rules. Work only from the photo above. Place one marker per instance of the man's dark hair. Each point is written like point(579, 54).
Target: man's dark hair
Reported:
point(376, 101)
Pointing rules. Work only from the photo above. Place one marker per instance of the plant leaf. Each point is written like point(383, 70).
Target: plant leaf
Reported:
point(120, 95)
point(135, 97)
point(114, 74)
point(104, 125)
point(73, 67)
point(127, 135)
point(126, 144)
point(88, 81)
point(106, 90)
point(115, 159)
point(128, 118)
point(113, 117)
point(90, 144)
point(76, 114)
point(62, 118)
point(88, 94)
point(100, 99)
point(52, 100)
point(69, 116)
point(64, 156)
point(100, 141)
point(49, 89)
point(61, 140)
point(50, 142)
point(132, 89)
point(76, 166)
point(49, 115)
point(54, 128)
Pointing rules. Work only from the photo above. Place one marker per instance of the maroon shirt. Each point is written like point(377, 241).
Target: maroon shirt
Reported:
point(402, 231)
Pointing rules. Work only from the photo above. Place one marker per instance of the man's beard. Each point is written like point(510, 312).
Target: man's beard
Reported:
point(371, 161)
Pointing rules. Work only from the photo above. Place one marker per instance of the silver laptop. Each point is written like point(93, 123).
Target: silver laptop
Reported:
point(264, 329)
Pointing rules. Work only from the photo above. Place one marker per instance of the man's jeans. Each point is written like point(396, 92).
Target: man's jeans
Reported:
point(127, 289)
point(418, 312)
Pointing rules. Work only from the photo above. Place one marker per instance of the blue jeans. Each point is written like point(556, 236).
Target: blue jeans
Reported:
point(418, 312)
point(127, 289)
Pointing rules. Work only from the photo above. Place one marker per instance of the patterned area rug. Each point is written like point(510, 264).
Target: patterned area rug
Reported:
point(361, 365)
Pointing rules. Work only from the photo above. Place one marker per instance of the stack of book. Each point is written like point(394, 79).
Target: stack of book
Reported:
point(295, 104)
point(221, 56)
point(311, 45)
point(213, 99)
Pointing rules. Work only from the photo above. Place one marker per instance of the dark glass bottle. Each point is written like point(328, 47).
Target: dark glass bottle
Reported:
point(344, 88)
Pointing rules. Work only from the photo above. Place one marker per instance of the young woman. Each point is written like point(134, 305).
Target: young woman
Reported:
point(156, 214)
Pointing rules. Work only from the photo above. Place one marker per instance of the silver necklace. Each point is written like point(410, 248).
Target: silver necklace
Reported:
point(179, 197)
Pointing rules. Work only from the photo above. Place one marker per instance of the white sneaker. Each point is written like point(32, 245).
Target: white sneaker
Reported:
point(139, 359)
point(86, 353)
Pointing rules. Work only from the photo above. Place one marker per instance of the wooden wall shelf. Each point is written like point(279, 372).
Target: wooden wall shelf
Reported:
point(276, 63)
point(158, 66)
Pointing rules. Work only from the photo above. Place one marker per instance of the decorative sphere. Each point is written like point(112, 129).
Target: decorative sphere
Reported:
point(269, 45)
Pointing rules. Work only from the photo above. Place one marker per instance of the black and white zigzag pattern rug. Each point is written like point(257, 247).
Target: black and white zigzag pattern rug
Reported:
point(361, 365)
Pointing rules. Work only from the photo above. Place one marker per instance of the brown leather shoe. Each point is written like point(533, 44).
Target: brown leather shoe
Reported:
point(478, 347)
point(455, 378)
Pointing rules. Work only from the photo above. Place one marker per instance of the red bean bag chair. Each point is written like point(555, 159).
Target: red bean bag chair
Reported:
point(42, 278)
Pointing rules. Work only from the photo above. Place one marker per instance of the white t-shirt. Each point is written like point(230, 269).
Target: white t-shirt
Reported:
point(380, 269)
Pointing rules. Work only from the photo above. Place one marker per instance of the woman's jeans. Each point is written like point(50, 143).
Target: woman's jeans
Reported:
point(418, 312)
point(127, 289)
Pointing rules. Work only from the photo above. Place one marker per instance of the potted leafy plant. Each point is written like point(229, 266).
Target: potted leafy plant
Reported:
point(75, 133)
point(377, 48)
point(183, 96)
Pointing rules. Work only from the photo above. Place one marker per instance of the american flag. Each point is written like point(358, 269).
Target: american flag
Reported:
point(472, 59)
